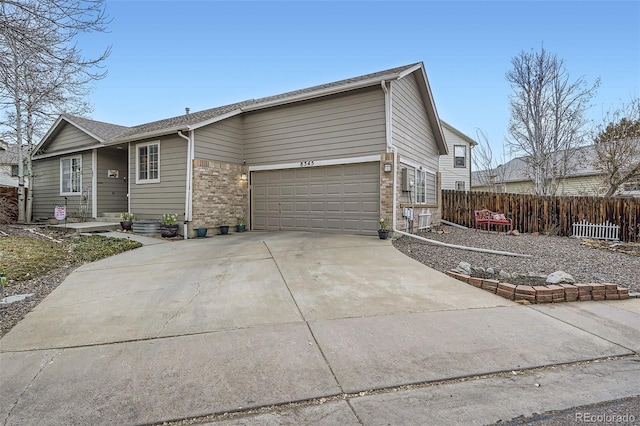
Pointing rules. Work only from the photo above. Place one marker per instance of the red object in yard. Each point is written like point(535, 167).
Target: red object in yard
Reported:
point(492, 218)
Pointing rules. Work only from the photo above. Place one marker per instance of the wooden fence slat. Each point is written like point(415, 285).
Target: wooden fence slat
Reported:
point(532, 213)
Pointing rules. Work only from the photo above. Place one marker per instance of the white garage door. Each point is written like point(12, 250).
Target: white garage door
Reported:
point(344, 198)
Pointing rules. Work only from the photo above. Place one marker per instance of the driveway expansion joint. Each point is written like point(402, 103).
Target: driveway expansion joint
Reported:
point(44, 364)
point(233, 414)
point(585, 330)
point(196, 294)
point(324, 357)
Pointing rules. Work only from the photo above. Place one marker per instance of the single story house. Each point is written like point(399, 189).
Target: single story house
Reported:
point(329, 158)
point(582, 178)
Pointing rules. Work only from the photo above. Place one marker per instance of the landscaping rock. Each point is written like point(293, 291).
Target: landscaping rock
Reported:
point(515, 233)
point(504, 274)
point(560, 277)
point(464, 267)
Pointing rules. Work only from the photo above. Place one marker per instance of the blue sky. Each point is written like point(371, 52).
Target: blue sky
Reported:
point(168, 55)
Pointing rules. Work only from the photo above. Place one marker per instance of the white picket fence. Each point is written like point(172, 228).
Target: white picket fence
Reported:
point(603, 231)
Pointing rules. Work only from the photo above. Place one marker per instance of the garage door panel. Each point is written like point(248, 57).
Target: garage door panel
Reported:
point(273, 207)
point(334, 189)
point(317, 189)
point(317, 224)
point(302, 190)
point(341, 198)
point(352, 207)
point(334, 207)
point(287, 175)
point(369, 189)
point(352, 188)
point(369, 207)
point(302, 223)
point(302, 207)
point(316, 172)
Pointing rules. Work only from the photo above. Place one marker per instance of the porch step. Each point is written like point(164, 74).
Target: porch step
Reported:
point(110, 217)
point(88, 227)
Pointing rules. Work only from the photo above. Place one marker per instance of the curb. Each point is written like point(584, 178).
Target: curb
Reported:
point(551, 293)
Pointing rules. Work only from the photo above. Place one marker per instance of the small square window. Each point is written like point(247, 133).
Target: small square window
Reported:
point(459, 156)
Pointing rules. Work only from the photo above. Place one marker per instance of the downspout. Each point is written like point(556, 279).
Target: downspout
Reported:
point(94, 183)
point(128, 177)
point(389, 129)
point(188, 190)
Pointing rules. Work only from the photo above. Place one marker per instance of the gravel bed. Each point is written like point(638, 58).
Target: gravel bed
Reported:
point(550, 253)
point(40, 287)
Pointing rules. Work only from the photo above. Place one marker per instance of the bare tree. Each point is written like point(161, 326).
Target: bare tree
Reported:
point(617, 143)
point(547, 118)
point(489, 169)
point(42, 71)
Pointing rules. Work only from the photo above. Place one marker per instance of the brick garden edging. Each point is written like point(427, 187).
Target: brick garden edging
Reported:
point(551, 293)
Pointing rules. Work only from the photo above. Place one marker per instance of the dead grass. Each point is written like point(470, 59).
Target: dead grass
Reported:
point(24, 257)
point(28, 256)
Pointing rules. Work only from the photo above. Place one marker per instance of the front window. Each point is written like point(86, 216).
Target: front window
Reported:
point(71, 175)
point(459, 156)
point(425, 187)
point(420, 186)
point(148, 163)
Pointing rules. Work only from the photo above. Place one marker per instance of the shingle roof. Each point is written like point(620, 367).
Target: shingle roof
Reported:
point(111, 132)
point(105, 131)
point(182, 120)
point(516, 170)
point(208, 114)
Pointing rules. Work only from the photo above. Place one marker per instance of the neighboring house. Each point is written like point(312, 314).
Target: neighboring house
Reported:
point(582, 178)
point(318, 159)
point(9, 165)
point(455, 168)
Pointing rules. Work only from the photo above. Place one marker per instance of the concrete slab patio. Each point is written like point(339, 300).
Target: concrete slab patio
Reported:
point(191, 328)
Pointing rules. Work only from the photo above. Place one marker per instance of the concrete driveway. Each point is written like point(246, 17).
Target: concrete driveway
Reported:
point(192, 328)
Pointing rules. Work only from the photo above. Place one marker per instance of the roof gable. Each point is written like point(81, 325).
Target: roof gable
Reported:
point(458, 133)
point(429, 103)
point(99, 131)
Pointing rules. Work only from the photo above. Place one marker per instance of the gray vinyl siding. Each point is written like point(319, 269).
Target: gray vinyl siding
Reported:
point(346, 125)
point(451, 174)
point(69, 138)
point(46, 187)
point(151, 200)
point(221, 141)
point(412, 133)
point(112, 192)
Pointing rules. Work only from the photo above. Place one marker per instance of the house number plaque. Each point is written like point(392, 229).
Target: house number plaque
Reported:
point(306, 163)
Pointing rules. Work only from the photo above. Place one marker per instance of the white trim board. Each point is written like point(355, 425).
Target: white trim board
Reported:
point(416, 165)
point(316, 163)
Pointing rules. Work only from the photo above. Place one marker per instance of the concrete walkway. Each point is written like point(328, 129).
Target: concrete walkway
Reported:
point(333, 322)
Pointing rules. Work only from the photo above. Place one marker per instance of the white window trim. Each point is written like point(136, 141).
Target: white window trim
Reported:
point(137, 153)
point(464, 149)
point(79, 193)
point(435, 179)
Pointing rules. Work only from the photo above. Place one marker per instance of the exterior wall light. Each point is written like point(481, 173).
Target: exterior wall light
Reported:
point(387, 167)
point(243, 176)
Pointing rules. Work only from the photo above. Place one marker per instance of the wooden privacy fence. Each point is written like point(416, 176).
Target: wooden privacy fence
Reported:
point(555, 215)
